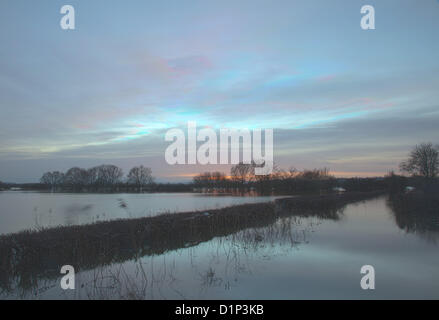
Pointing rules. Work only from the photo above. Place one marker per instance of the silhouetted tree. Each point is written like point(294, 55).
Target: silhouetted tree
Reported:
point(140, 177)
point(211, 180)
point(100, 178)
point(242, 173)
point(202, 180)
point(93, 177)
point(109, 175)
point(52, 179)
point(423, 161)
point(219, 179)
point(315, 174)
point(76, 178)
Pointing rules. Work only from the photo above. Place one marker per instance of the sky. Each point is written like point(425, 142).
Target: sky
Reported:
point(355, 101)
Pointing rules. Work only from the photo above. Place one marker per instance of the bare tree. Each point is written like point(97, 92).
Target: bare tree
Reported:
point(104, 176)
point(211, 180)
point(218, 179)
point(140, 177)
point(76, 178)
point(46, 179)
point(53, 179)
point(93, 176)
point(242, 172)
point(315, 174)
point(202, 180)
point(423, 161)
point(282, 174)
point(109, 175)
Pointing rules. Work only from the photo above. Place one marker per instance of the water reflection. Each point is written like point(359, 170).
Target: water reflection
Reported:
point(417, 215)
point(74, 212)
point(35, 210)
point(210, 255)
point(215, 265)
point(252, 226)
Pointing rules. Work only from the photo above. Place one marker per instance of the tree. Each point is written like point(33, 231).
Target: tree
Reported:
point(315, 174)
point(218, 179)
point(202, 180)
point(109, 175)
point(76, 178)
point(140, 177)
point(93, 176)
point(53, 179)
point(210, 180)
point(423, 161)
point(242, 172)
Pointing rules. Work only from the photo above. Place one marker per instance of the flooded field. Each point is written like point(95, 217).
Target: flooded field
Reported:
point(306, 252)
point(34, 210)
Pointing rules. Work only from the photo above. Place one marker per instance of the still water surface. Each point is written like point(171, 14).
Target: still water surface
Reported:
point(297, 257)
point(32, 210)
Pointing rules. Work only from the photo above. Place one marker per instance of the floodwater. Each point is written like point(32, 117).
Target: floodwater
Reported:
point(316, 256)
point(35, 210)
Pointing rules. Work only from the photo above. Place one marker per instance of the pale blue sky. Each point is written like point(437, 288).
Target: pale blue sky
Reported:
point(337, 96)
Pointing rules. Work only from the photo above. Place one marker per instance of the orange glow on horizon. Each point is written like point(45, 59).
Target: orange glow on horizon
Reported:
point(337, 174)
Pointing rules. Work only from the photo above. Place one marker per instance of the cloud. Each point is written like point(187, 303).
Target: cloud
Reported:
point(335, 95)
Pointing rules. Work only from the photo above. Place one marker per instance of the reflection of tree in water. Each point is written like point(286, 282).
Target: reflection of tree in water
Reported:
point(417, 214)
point(240, 253)
point(227, 259)
point(240, 235)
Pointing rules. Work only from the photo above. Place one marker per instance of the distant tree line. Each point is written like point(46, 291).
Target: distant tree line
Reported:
point(242, 178)
point(103, 178)
point(422, 167)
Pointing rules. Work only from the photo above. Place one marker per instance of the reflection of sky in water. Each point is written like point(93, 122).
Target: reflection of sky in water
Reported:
point(29, 210)
point(297, 259)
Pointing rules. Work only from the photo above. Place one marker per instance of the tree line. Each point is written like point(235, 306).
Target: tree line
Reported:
point(242, 178)
point(421, 166)
point(103, 178)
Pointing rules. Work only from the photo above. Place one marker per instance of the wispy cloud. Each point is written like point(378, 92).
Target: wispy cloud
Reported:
point(336, 96)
